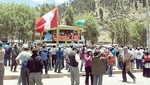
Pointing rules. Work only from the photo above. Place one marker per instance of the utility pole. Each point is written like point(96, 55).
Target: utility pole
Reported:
point(148, 24)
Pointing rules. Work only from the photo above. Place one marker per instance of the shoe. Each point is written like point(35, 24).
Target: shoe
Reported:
point(134, 80)
point(18, 84)
point(124, 81)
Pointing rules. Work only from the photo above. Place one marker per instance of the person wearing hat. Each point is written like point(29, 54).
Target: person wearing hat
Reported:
point(15, 52)
point(2, 53)
point(59, 59)
point(53, 52)
point(110, 62)
point(23, 56)
point(82, 55)
point(98, 68)
point(35, 67)
point(44, 54)
point(139, 58)
point(67, 50)
point(127, 56)
point(74, 70)
point(88, 66)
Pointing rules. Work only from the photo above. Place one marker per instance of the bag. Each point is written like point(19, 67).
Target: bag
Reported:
point(128, 65)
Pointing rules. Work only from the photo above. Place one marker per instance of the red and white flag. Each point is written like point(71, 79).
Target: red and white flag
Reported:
point(49, 20)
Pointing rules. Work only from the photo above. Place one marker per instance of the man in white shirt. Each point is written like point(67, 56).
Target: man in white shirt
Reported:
point(53, 52)
point(139, 55)
point(74, 70)
point(24, 55)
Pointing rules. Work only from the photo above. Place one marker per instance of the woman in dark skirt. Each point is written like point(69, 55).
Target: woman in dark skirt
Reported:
point(146, 67)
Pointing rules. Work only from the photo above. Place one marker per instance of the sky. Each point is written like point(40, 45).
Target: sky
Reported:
point(34, 3)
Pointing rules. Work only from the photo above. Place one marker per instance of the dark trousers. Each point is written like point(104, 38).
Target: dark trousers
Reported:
point(139, 63)
point(49, 64)
point(14, 64)
point(53, 60)
point(7, 59)
point(63, 62)
point(24, 77)
point(88, 71)
point(45, 62)
point(120, 64)
point(124, 73)
point(58, 65)
point(1, 73)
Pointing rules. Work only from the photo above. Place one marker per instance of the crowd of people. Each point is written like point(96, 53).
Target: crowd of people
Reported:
point(96, 61)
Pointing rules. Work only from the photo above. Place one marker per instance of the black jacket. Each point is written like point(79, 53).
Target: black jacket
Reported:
point(35, 64)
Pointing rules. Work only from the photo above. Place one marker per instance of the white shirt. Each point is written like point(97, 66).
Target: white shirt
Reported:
point(138, 54)
point(24, 55)
point(53, 51)
point(77, 57)
point(126, 56)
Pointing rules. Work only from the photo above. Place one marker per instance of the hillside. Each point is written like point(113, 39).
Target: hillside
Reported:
point(134, 12)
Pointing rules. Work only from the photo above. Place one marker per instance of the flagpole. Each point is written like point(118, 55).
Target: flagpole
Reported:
point(57, 33)
point(78, 36)
point(57, 29)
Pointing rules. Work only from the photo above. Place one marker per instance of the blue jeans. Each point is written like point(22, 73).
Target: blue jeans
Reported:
point(58, 65)
point(110, 70)
point(120, 64)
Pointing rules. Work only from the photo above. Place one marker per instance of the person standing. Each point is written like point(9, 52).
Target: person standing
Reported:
point(82, 55)
point(8, 50)
point(44, 54)
point(59, 59)
point(23, 56)
point(98, 68)
point(74, 70)
point(15, 52)
point(66, 53)
point(146, 67)
point(2, 53)
point(88, 66)
point(139, 56)
point(35, 67)
point(111, 61)
point(126, 65)
point(53, 52)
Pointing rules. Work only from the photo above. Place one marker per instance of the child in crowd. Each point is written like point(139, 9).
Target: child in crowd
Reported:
point(110, 61)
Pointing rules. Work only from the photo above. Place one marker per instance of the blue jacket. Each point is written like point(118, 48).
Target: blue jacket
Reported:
point(59, 55)
point(44, 54)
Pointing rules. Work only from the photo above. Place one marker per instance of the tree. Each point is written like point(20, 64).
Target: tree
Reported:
point(91, 28)
point(17, 20)
point(138, 33)
point(69, 18)
point(119, 30)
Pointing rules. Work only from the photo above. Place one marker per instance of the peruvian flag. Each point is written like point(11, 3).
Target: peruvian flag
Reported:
point(49, 20)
